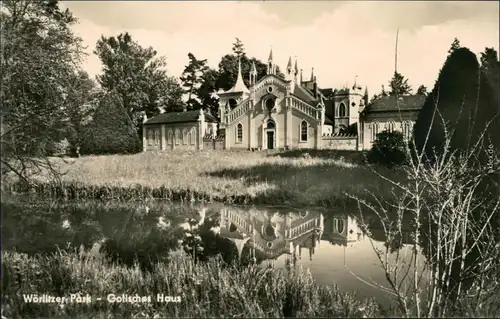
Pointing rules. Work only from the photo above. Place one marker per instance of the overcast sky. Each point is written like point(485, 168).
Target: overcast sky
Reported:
point(339, 39)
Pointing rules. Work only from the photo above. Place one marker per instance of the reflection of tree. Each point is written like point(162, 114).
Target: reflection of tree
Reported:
point(201, 243)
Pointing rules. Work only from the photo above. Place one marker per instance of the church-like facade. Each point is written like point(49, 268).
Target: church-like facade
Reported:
point(289, 113)
point(284, 113)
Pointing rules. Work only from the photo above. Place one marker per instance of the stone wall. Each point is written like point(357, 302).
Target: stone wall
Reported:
point(340, 142)
point(213, 143)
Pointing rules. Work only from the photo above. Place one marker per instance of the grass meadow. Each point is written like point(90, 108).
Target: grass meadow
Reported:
point(206, 290)
point(321, 179)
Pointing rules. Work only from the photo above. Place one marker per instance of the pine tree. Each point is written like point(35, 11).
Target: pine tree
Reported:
point(192, 79)
point(422, 90)
point(454, 45)
point(399, 85)
point(238, 48)
point(111, 130)
point(490, 66)
point(465, 113)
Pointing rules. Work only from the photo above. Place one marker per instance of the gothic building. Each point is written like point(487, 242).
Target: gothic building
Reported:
point(285, 113)
point(289, 113)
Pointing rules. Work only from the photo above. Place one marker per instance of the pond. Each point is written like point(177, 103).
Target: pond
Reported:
point(331, 244)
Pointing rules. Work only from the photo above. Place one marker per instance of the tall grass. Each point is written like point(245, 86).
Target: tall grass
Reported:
point(230, 177)
point(206, 290)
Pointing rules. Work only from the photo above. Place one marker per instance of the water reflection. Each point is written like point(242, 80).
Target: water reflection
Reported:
point(272, 234)
point(332, 245)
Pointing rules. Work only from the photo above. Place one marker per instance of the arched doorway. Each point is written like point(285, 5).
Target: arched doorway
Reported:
point(271, 134)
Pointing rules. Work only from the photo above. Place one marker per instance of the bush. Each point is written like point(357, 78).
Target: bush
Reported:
point(59, 148)
point(388, 149)
point(111, 130)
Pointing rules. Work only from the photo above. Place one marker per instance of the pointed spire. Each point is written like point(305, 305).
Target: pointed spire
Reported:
point(296, 66)
point(240, 243)
point(289, 65)
point(239, 86)
point(253, 70)
point(271, 67)
point(253, 74)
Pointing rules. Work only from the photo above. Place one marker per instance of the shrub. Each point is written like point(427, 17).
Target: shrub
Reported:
point(111, 130)
point(388, 149)
point(59, 148)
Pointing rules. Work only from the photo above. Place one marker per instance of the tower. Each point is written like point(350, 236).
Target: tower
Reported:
point(232, 97)
point(365, 97)
point(271, 67)
point(289, 70)
point(253, 74)
point(296, 70)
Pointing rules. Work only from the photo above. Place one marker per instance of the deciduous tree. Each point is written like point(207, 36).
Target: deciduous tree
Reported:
point(40, 55)
point(207, 89)
point(138, 75)
point(80, 103)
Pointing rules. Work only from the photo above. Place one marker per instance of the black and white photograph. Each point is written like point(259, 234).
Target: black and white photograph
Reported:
point(250, 159)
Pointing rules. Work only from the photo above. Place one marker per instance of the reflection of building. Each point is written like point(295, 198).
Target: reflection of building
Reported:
point(378, 234)
point(342, 230)
point(272, 234)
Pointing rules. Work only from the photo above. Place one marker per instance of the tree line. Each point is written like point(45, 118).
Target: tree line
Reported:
point(51, 105)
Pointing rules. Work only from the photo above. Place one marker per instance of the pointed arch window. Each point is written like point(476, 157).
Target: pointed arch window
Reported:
point(184, 136)
point(157, 137)
point(303, 131)
point(192, 137)
point(342, 110)
point(170, 136)
point(239, 133)
point(373, 131)
point(390, 126)
point(177, 137)
point(150, 137)
point(339, 226)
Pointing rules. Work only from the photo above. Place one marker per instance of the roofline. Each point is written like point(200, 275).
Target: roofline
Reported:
point(298, 97)
point(168, 122)
point(272, 75)
point(394, 110)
